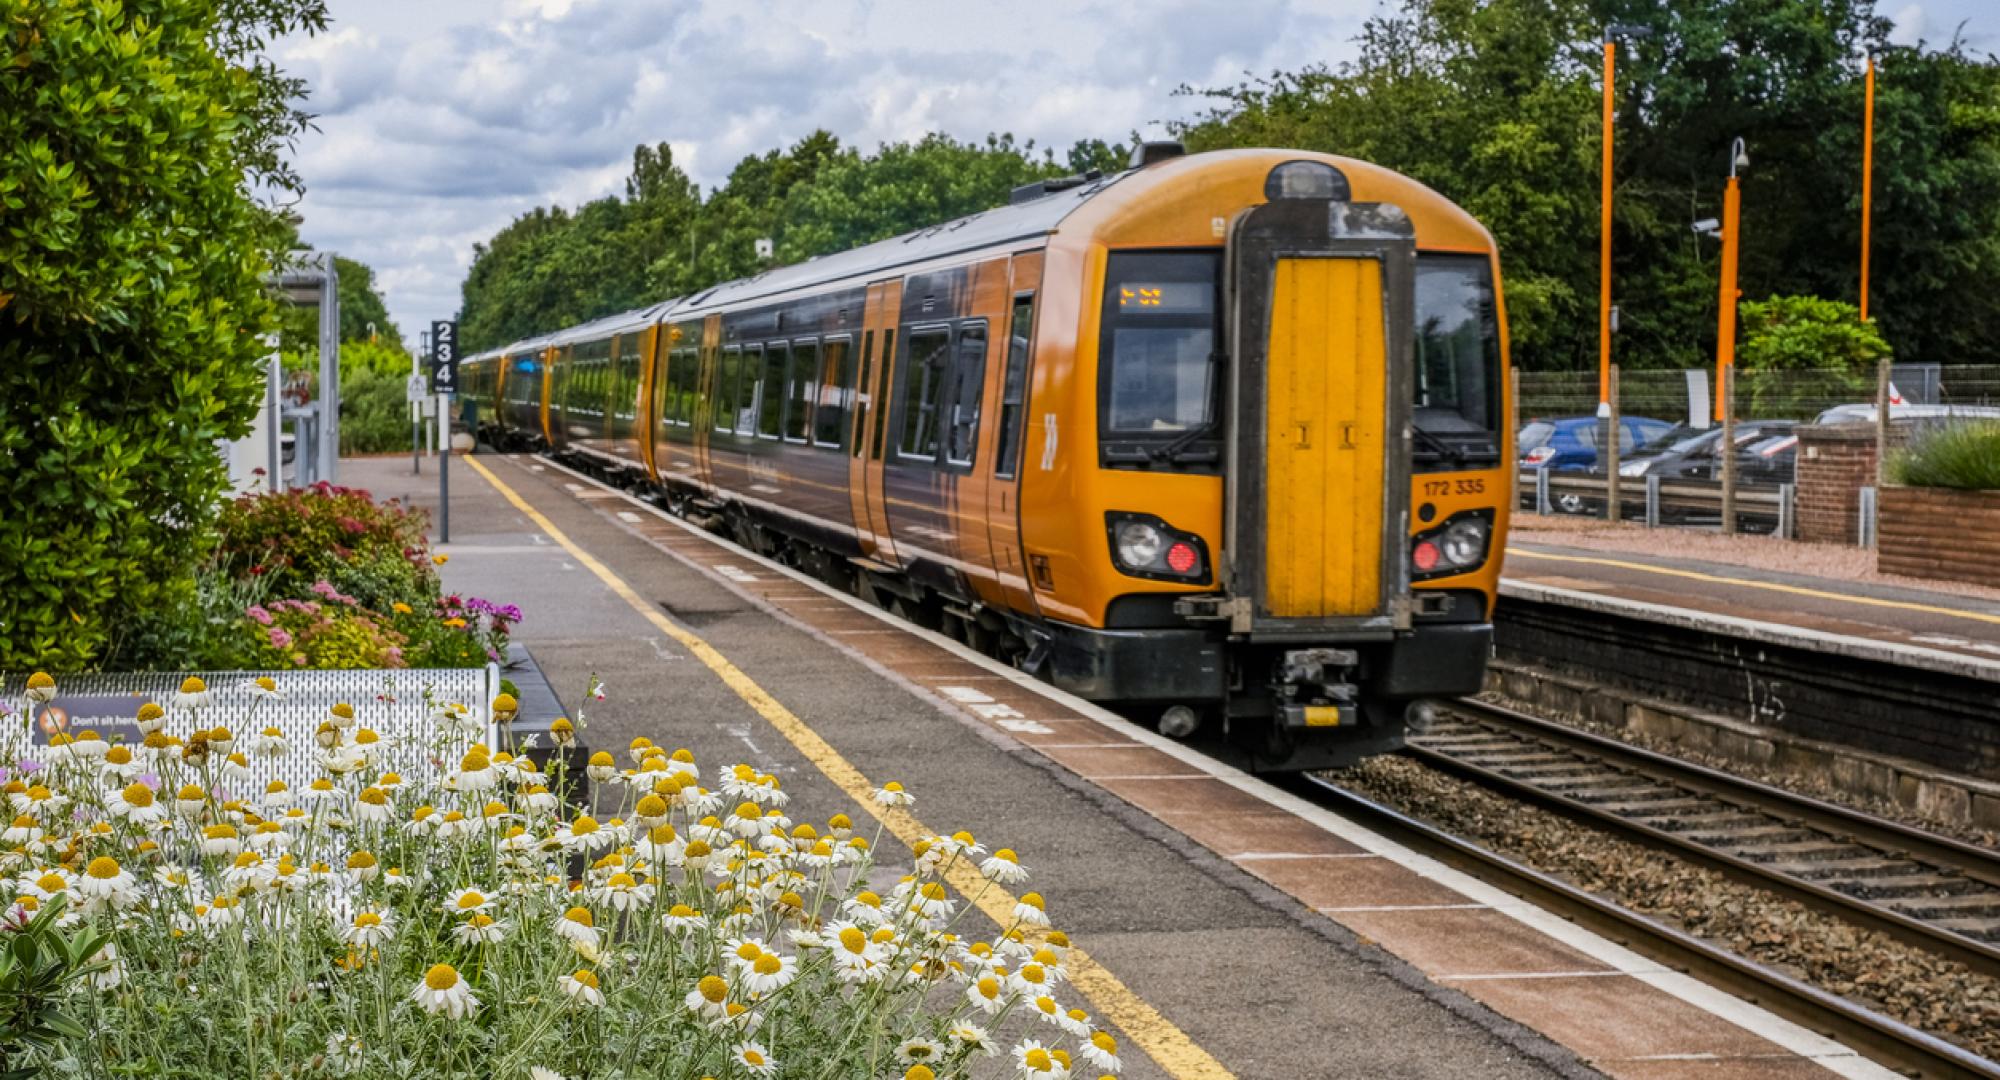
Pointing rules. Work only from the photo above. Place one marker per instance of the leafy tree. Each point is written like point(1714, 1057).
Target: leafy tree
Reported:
point(360, 305)
point(1495, 105)
point(132, 253)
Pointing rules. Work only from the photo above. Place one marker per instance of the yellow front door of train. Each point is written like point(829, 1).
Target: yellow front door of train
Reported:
point(1324, 439)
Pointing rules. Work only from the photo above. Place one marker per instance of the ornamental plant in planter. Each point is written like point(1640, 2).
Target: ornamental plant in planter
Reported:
point(1941, 516)
point(466, 924)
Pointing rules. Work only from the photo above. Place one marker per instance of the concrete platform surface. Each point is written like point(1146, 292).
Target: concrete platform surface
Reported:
point(1914, 626)
point(1267, 936)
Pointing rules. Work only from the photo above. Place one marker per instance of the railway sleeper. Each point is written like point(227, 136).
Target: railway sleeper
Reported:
point(1882, 888)
point(1753, 834)
point(1863, 866)
point(1940, 907)
point(1976, 929)
point(1807, 851)
point(1706, 822)
point(1636, 807)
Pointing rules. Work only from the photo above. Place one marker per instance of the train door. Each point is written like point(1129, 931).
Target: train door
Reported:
point(1003, 496)
point(709, 401)
point(871, 512)
point(1319, 469)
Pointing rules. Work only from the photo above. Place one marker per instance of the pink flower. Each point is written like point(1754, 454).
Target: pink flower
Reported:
point(258, 613)
point(279, 638)
point(325, 589)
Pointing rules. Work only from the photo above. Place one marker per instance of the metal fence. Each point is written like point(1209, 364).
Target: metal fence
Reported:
point(1581, 472)
point(395, 704)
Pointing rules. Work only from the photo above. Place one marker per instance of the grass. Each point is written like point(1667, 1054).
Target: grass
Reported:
point(1964, 456)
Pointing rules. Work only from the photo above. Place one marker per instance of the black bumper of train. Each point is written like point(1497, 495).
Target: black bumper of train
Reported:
point(1193, 665)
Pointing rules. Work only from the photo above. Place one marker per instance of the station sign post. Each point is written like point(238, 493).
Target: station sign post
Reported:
point(444, 382)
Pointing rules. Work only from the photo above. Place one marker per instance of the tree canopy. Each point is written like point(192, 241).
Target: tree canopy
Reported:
point(132, 303)
point(554, 267)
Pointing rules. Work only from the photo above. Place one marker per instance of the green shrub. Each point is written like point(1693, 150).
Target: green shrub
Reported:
point(331, 633)
point(38, 967)
point(1963, 456)
point(309, 535)
point(374, 412)
point(132, 305)
point(1801, 354)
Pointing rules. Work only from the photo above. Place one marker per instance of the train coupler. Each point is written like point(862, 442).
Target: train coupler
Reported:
point(1314, 691)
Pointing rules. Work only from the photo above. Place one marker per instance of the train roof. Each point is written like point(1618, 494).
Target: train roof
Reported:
point(1035, 216)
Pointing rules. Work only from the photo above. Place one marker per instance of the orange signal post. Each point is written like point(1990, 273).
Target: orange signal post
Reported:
point(1604, 328)
point(1867, 175)
point(1604, 244)
point(1725, 334)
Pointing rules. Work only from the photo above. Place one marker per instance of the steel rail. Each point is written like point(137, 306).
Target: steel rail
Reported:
point(1892, 839)
point(1882, 1038)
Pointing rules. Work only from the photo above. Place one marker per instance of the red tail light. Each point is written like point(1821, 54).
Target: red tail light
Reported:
point(1181, 558)
point(1424, 556)
point(1538, 455)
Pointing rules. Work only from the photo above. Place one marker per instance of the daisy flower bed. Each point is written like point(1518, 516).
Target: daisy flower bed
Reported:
point(472, 923)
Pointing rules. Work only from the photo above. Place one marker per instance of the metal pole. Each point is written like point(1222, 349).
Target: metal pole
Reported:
point(444, 469)
point(1652, 500)
point(1604, 246)
point(1612, 510)
point(1787, 522)
point(1881, 422)
point(1867, 177)
point(1725, 332)
point(1727, 450)
point(326, 467)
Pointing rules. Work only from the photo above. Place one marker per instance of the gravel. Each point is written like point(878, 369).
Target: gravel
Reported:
point(1817, 785)
point(1925, 991)
point(1835, 561)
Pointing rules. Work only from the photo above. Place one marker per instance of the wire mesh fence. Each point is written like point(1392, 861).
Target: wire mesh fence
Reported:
point(1671, 463)
point(395, 705)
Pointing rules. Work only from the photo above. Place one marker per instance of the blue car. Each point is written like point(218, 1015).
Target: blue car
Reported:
point(1569, 444)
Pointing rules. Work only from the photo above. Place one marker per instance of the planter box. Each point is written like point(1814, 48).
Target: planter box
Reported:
point(1941, 533)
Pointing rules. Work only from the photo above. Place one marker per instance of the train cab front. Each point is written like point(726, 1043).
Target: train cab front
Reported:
point(1341, 382)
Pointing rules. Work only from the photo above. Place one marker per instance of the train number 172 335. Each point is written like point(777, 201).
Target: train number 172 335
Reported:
point(1474, 486)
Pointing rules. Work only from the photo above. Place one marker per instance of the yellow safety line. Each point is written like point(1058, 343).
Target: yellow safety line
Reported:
point(1167, 1045)
point(1796, 590)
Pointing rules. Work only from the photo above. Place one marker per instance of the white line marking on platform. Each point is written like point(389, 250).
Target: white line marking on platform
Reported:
point(574, 487)
point(1829, 1054)
point(629, 517)
point(734, 573)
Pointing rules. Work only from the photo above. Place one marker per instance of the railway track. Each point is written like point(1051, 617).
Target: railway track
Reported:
point(1923, 889)
point(1886, 1040)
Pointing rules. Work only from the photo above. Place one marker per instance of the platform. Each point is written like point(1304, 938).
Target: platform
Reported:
point(1232, 929)
point(1914, 626)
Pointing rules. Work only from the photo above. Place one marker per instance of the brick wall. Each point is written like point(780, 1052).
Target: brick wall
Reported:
point(1835, 462)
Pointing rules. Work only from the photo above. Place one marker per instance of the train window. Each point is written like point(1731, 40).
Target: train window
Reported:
point(1159, 334)
point(862, 390)
point(800, 387)
point(749, 389)
point(727, 374)
point(686, 371)
point(922, 391)
point(1458, 346)
point(771, 390)
point(882, 393)
point(1014, 390)
point(830, 421)
point(968, 393)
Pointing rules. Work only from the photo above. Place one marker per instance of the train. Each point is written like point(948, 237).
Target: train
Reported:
point(1216, 441)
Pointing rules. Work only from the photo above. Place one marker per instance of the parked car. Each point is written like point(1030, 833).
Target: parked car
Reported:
point(1569, 443)
point(1865, 413)
point(1766, 453)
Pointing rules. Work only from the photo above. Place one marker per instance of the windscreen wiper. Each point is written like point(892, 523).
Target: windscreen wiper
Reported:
point(1170, 450)
point(1452, 453)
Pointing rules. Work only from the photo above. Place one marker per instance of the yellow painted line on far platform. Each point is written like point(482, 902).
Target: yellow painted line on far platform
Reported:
point(1166, 1044)
point(1771, 586)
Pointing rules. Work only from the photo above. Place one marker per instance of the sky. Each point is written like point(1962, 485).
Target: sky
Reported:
point(439, 121)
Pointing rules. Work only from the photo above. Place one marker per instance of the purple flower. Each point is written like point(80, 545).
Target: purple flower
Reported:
point(150, 780)
point(258, 613)
point(28, 765)
point(325, 589)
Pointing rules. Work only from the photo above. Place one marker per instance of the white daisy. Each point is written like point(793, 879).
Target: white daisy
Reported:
point(753, 1059)
point(369, 927)
point(193, 694)
point(264, 688)
point(1101, 1051)
point(1036, 1062)
point(1004, 867)
point(973, 1037)
point(480, 930)
point(577, 925)
point(582, 988)
point(892, 794)
point(220, 840)
point(442, 990)
point(467, 902)
point(1030, 910)
point(917, 1051)
point(769, 973)
point(624, 892)
point(104, 881)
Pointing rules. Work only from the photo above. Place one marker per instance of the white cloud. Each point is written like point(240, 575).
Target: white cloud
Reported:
point(441, 120)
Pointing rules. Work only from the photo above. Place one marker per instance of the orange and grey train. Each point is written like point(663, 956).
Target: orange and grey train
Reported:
point(1216, 441)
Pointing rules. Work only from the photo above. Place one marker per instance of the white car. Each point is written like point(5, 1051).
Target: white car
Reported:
point(1865, 413)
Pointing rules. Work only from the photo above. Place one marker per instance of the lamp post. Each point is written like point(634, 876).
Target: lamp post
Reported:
point(1867, 174)
point(1725, 331)
point(1604, 324)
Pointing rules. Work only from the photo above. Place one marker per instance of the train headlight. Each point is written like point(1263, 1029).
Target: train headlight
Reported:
point(1139, 544)
point(1464, 542)
point(1145, 546)
point(1454, 547)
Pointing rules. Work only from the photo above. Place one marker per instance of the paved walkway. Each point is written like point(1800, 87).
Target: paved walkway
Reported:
point(1896, 617)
